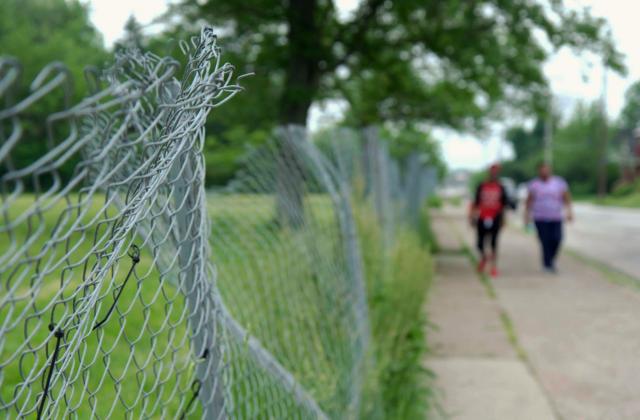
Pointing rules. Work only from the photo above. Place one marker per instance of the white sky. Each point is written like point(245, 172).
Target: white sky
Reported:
point(566, 71)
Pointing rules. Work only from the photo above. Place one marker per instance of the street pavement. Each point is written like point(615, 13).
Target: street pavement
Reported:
point(610, 235)
point(479, 374)
point(577, 333)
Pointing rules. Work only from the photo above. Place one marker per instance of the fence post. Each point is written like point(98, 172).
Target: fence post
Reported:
point(188, 197)
point(378, 168)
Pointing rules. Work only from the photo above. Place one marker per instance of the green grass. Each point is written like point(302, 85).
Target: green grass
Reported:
point(114, 372)
point(285, 286)
point(435, 202)
point(454, 201)
point(623, 195)
point(610, 273)
point(288, 287)
point(630, 201)
point(398, 280)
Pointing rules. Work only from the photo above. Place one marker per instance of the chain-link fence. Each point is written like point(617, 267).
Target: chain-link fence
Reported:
point(397, 187)
point(108, 304)
point(128, 292)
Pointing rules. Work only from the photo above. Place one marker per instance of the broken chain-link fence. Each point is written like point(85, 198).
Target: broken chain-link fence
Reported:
point(129, 292)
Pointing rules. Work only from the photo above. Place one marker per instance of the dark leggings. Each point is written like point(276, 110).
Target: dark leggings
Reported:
point(490, 232)
point(550, 235)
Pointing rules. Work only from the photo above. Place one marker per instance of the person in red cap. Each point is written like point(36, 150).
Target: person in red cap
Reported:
point(487, 215)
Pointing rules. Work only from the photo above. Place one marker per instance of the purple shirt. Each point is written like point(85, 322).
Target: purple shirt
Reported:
point(547, 198)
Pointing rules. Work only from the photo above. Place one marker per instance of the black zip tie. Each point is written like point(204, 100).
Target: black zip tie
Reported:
point(58, 334)
point(205, 353)
point(195, 387)
point(134, 253)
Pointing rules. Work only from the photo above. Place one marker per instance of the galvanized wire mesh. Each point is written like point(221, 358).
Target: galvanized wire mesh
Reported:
point(396, 187)
point(128, 292)
point(298, 288)
point(108, 305)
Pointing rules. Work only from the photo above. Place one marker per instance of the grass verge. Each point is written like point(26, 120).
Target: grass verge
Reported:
point(610, 273)
point(398, 279)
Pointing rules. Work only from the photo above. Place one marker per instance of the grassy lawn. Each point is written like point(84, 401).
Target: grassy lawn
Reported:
point(630, 201)
point(286, 287)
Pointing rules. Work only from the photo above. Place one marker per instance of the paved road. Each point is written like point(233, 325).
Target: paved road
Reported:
point(608, 234)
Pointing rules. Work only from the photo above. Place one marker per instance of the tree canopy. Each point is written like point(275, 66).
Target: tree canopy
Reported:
point(630, 116)
point(38, 32)
point(575, 142)
point(446, 62)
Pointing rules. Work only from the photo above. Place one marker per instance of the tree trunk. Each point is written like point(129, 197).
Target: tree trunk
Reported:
point(303, 71)
point(301, 85)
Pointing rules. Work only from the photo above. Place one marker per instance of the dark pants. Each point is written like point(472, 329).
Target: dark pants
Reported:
point(550, 234)
point(488, 232)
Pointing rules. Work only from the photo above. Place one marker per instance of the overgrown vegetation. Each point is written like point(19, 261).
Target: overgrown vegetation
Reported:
point(398, 279)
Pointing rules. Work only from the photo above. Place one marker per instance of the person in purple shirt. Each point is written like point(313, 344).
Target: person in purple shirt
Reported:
point(546, 203)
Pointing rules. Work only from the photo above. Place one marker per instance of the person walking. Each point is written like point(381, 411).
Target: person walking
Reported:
point(547, 200)
point(486, 213)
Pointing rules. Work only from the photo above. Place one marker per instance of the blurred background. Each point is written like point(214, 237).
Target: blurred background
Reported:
point(470, 83)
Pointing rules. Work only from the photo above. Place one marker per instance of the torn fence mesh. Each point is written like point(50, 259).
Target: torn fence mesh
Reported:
point(111, 304)
point(108, 303)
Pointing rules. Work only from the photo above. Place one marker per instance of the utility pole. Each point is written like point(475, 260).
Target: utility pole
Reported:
point(604, 137)
point(501, 137)
point(548, 133)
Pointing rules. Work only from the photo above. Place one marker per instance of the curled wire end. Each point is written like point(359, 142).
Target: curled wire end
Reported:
point(184, 46)
point(242, 76)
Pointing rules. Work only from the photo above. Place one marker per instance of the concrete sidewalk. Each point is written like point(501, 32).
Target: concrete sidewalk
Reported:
point(580, 334)
point(478, 371)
